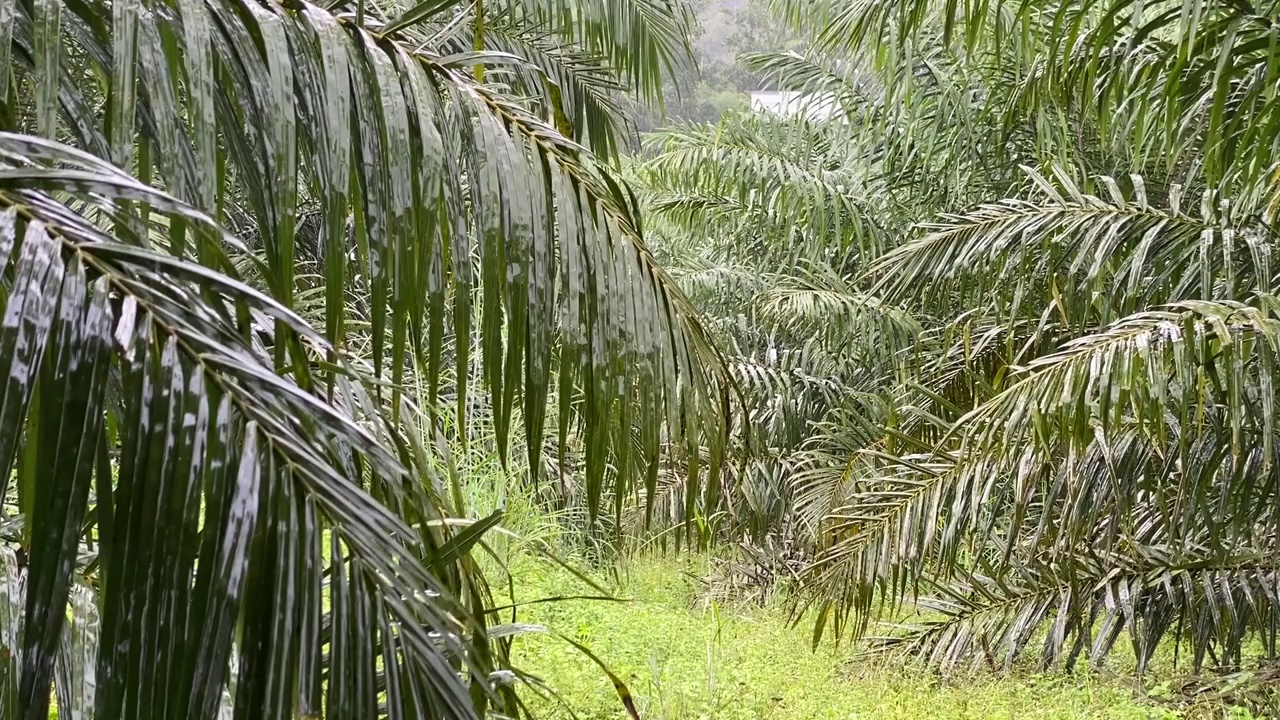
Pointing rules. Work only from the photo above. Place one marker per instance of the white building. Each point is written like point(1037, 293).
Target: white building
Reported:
point(788, 103)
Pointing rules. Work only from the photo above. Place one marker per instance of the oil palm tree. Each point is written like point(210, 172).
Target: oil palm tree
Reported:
point(1075, 203)
point(1078, 492)
point(240, 508)
point(765, 222)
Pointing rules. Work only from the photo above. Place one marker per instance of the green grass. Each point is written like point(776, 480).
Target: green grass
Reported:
point(685, 661)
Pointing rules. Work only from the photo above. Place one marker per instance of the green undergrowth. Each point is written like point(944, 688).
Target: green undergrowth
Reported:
point(683, 658)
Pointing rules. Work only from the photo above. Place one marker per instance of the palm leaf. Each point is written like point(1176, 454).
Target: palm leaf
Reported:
point(247, 467)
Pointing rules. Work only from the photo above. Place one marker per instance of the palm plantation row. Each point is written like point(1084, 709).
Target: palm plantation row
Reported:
point(995, 339)
point(1006, 323)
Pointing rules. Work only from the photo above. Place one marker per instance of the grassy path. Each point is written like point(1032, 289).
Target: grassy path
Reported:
point(683, 662)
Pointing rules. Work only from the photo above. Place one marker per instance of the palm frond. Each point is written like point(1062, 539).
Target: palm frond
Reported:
point(1132, 418)
point(452, 159)
point(1183, 85)
point(582, 94)
point(204, 428)
point(1206, 602)
point(646, 40)
point(788, 173)
point(1137, 253)
point(836, 308)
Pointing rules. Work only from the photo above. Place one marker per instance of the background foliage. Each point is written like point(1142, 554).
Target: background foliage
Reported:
point(1005, 325)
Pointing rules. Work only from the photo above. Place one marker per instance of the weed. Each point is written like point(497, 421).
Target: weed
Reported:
point(686, 660)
